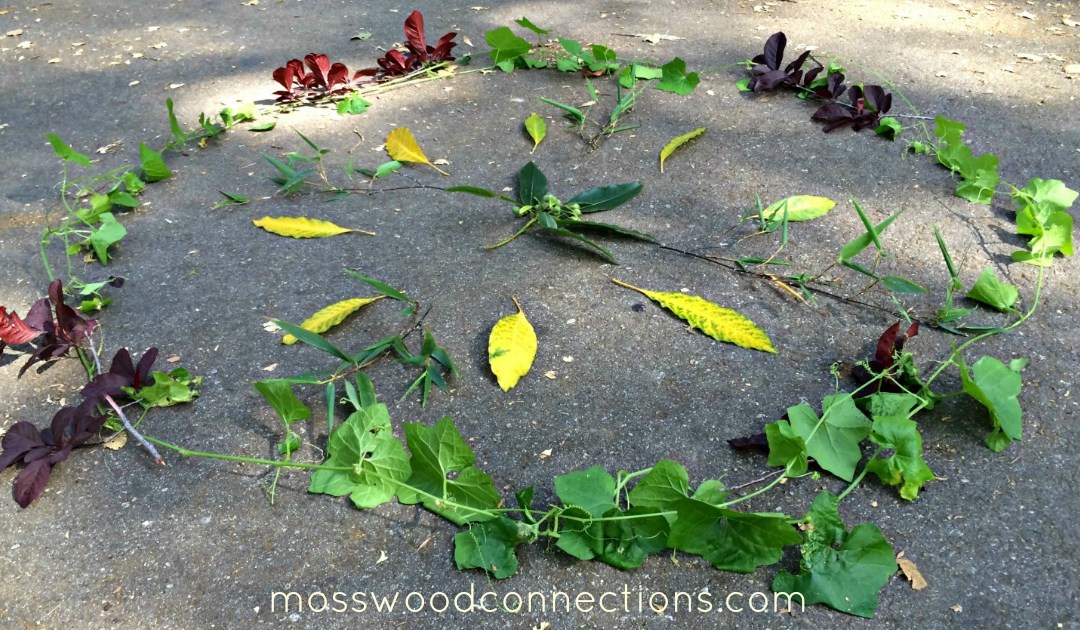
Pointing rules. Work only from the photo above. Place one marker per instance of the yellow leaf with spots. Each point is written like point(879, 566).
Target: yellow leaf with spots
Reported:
point(303, 227)
point(722, 324)
point(511, 348)
point(402, 146)
point(331, 316)
point(670, 147)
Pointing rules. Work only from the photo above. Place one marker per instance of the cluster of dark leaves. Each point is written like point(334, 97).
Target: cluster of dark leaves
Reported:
point(320, 78)
point(57, 329)
point(864, 105)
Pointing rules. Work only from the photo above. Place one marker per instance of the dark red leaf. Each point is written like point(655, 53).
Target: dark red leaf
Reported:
point(31, 481)
point(886, 345)
point(338, 74)
point(19, 440)
point(14, 330)
point(768, 80)
point(757, 441)
point(320, 67)
point(284, 76)
point(774, 50)
point(810, 75)
point(414, 35)
point(796, 65)
point(39, 315)
point(441, 51)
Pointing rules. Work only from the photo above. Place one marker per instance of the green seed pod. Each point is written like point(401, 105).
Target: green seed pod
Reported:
point(522, 211)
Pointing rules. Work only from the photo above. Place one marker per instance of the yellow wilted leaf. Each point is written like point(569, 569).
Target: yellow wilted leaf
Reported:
point(331, 316)
point(799, 208)
point(911, 572)
point(303, 227)
point(511, 348)
point(402, 146)
point(670, 147)
point(722, 324)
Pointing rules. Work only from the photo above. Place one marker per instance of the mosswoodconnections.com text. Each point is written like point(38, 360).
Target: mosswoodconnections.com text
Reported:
point(625, 600)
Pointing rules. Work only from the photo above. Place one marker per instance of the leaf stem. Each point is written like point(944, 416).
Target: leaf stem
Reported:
point(531, 222)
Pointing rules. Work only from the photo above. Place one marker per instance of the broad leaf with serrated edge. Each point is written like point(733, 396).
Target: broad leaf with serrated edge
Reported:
point(996, 386)
point(303, 227)
point(675, 143)
point(402, 146)
point(511, 348)
point(834, 440)
point(490, 546)
point(592, 489)
point(843, 570)
point(905, 468)
point(799, 208)
point(722, 324)
point(729, 540)
point(377, 463)
point(442, 466)
point(664, 484)
point(993, 292)
point(325, 319)
point(537, 129)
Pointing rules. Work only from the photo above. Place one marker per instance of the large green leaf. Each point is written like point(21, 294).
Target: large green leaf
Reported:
point(532, 185)
point(106, 235)
point(905, 467)
point(505, 46)
point(279, 393)
point(665, 483)
point(996, 386)
point(592, 489)
point(375, 460)
point(490, 546)
point(152, 164)
point(834, 441)
point(675, 79)
point(731, 541)
point(993, 292)
point(606, 197)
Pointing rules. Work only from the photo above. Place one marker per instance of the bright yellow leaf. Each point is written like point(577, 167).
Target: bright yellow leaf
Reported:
point(670, 147)
point(799, 208)
point(722, 324)
point(537, 129)
point(402, 146)
point(331, 316)
point(511, 348)
point(303, 227)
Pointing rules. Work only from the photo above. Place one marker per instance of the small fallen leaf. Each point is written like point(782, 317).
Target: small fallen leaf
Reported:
point(303, 227)
point(511, 348)
point(551, 374)
point(325, 319)
point(799, 208)
point(25, 44)
point(546, 453)
point(14, 33)
point(270, 368)
point(1026, 15)
point(957, 608)
point(656, 38)
point(722, 324)
point(467, 41)
point(116, 442)
point(911, 572)
point(382, 554)
point(175, 86)
point(133, 83)
point(402, 146)
point(670, 147)
point(441, 162)
point(54, 60)
point(173, 358)
point(537, 129)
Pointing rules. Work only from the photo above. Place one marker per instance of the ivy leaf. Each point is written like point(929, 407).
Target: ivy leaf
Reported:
point(786, 448)
point(303, 227)
point(996, 386)
point(64, 151)
point(278, 392)
point(835, 443)
point(377, 463)
point(606, 197)
point(843, 570)
point(352, 104)
point(799, 208)
point(152, 164)
point(906, 465)
point(888, 127)
point(401, 145)
point(592, 489)
point(729, 540)
point(675, 143)
point(722, 324)
point(511, 348)
point(666, 483)
point(993, 292)
point(532, 185)
point(526, 23)
point(490, 546)
point(537, 129)
point(326, 318)
point(676, 80)
point(105, 236)
point(979, 175)
point(505, 46)
point(169, 389)
point(443, 466)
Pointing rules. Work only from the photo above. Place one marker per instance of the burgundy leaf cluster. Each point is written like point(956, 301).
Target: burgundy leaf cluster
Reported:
point(57, 326)
point(320, 78)
point(864, 105)
point(890, 344)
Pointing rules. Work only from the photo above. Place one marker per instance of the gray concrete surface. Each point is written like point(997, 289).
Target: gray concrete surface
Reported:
point(117, 542)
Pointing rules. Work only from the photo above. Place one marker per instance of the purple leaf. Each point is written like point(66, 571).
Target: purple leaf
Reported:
point(31, 481)
point(774, 50)
point(19, 440)
point(414, 35)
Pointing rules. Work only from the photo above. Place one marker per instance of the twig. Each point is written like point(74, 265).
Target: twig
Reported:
point(130, 429)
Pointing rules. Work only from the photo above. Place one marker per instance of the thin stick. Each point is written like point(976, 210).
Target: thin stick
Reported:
point(130, 429)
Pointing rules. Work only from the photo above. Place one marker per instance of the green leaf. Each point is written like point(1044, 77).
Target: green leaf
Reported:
point(376, 461)
point(996, 386)
point(584, 239)
point(637, 72)
point(525, 23)
point(896, 284)
point(479, 192)
point(65, 152)
point(856, 245)
point(1044, 197)
point(490, 546)
point(132, 182)
point(312, 339)
point(230, 199)
point(505, 46)
point(153, 166)
point(905, 467)
point(799, 208)
point(843, 570)
point(579, 536)
point(711, 491)
point(537, 129)
point(665, 483)
point(290, 444)
point(677, 142)
point(279, 393)
point(574, 224)
point(676, 80)
point(442, 465)
point(592, 489)
point(386, 168)
point(888, 404)
point(105, 236)
point(993, 292)
point(174, 125)
point(572, 112)
point(729, 540)
point(786, 448)
point(606, 197)
point(888, 127)
point(743, 85)
point(532, 185)
point(169, 389)
point(834, 441)
point(263, 126)
point(979, 176)
point(352, 104)
point(381, 287)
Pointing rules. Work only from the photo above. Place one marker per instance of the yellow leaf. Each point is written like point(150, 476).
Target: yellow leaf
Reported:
point(331, 316)
point(722, 324)
point(670, 147)
point(537, 129)
point(511, 348)
point(911, 572)
point(116, 442)
point(799, 208)
point(402, 146)
point(303, 227)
